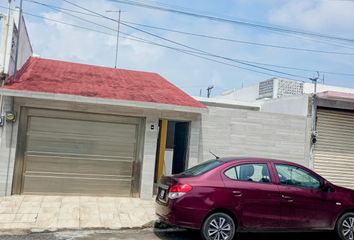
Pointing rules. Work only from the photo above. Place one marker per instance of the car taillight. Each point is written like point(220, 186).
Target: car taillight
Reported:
point(178, 190)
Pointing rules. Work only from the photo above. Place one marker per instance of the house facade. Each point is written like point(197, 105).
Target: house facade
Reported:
point(88, 130)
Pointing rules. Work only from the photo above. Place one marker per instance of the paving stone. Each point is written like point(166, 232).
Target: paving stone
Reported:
point(30, 198)
point(26, 218)
point(7, 218)
point(28, 210)
point(51, 204)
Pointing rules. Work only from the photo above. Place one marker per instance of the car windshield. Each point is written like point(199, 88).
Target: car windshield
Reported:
point(202, 168)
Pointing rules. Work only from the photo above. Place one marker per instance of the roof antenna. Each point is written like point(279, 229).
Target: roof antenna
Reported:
point(217, 157)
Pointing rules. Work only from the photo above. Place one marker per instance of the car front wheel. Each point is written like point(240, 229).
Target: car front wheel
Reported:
point(218, 226)
point(345, 226)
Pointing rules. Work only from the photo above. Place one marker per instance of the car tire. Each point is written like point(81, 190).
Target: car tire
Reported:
point(345, 226)
point(218, 224)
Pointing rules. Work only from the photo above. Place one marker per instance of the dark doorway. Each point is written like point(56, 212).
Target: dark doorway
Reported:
point(173, 153)
point(180, 148)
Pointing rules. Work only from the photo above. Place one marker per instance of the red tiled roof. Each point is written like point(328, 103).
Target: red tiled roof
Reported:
point(52, 76)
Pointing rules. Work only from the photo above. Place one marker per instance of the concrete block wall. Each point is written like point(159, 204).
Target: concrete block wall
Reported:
point(7, 151)
point(195, 129)
point(235, 132)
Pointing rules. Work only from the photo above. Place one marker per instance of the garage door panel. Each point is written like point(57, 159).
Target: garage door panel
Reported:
point(334, 150)
point(67, 165)
point(34, 184)
point(57, 144)
point(78, 153)
point(81, 127)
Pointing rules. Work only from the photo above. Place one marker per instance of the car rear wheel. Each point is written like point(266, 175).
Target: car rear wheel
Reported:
point(345, 226)
point(218, 226)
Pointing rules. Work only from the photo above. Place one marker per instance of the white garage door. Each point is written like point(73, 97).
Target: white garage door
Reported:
point(334, 150)
point(77, 153)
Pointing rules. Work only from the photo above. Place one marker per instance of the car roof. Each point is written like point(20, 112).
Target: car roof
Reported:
point(255, 159)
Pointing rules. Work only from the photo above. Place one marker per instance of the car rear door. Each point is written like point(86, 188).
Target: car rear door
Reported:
point(256, 200)
point(303, 204)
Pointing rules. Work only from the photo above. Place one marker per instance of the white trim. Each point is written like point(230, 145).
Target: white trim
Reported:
point(95, 100)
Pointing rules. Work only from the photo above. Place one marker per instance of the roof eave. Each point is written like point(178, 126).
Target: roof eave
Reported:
point(103, 101)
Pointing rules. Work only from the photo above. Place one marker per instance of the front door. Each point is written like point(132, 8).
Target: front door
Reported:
point(304, 205)
point(255, 197)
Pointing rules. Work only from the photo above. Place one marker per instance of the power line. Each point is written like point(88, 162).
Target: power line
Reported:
point(209, 36)
point(244, 62)
point(232, 21)
point(127, 36)
point(188, 47)
point(185, 51)
point(237, 41)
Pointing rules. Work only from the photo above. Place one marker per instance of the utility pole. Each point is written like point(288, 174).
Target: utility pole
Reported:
point(314, 117)
point(118, 32)
point(209, 90)
point(314, 81)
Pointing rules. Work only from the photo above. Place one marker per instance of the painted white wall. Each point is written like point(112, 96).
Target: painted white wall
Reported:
point(8, 50)
point(293, 105)
point(247, 94)
point(309, 88)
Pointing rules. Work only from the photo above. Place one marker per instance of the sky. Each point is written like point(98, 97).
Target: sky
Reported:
point(193, 74)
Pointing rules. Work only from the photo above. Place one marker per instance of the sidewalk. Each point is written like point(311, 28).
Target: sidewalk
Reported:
point(51, 213)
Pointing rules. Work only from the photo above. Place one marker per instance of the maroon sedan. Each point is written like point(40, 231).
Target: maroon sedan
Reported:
point(228, 195)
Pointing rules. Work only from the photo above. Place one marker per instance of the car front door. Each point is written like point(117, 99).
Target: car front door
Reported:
point(303, 204)
point(255, 198)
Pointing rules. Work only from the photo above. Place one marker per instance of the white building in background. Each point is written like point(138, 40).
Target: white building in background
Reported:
point(10, 26)
point(275, 88)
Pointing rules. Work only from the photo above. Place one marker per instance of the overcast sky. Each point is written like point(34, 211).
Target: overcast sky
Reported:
point(57, 41)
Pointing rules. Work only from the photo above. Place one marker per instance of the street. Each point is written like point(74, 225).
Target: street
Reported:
point(150, 234)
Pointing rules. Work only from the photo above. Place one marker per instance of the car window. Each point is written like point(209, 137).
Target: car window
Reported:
point(202, 168)
point(296, 176)
point(249, 172)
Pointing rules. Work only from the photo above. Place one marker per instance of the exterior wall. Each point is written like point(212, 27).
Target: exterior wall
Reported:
point(247, 94)
point(235, 132)
point(309, 88)
point(147, 155)
point(7, 55)
point(7, 151)
point(281, 86)
point(293, 105)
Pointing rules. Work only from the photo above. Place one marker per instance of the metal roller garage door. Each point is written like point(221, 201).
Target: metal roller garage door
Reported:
point(334, 150)
point(76, 153)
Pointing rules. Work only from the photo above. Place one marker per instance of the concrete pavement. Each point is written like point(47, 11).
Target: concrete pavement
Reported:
point(52, 213)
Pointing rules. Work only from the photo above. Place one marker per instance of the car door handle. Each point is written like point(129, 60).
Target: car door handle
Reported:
point(287, 198)
point(237, 193)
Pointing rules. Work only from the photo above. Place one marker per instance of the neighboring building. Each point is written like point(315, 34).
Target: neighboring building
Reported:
point(241, 129)
point(8, 45)
point(333, 154)
point(283, 128)
point(276, 88)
